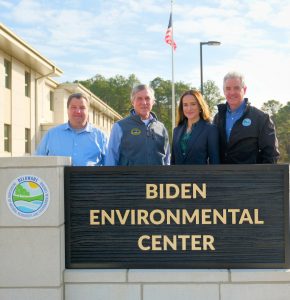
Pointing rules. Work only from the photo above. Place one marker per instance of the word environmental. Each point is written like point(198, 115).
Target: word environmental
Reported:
point(161, 217)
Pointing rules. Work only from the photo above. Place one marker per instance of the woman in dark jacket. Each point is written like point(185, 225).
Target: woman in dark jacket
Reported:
point(195, 139)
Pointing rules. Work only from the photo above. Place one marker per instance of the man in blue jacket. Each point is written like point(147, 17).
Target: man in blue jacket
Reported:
point(139, 139)
point(77, 138)
point(247, 135)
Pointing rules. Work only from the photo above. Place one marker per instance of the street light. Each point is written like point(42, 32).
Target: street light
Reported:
point(209, 43)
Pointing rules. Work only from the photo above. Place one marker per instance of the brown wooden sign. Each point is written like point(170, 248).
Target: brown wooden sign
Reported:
point(218, 216)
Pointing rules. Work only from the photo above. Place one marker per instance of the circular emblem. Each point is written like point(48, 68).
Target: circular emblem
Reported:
point(27, 197)
point(135, 131)
point(247, 122)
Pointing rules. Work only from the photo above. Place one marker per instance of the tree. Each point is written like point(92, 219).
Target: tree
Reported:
point(282, 121)
point(281, 116)
point(115, 91)
point(163, 99)
point(271, 107)
point(21, 191)
point(212, 95)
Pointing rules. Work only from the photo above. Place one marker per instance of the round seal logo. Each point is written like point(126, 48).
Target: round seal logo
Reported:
point(28, 197)
point(247, 122)
point(135, 131)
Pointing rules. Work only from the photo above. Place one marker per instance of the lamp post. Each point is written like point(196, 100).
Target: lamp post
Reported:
point(209, 43)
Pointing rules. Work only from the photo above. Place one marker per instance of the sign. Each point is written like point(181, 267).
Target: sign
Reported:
point(210, 216)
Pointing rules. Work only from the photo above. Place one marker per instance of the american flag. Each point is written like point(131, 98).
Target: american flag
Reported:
point(169, 33)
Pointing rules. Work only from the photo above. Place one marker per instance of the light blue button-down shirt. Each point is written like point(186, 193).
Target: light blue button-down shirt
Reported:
point(232, 117)
point(86, 147)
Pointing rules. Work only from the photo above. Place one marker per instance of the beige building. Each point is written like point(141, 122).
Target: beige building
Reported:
point(31, 102)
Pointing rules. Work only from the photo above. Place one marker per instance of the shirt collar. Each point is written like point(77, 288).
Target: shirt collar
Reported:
point(88, 128)
point(240, 109)
point(152, 116)
point(194, 124)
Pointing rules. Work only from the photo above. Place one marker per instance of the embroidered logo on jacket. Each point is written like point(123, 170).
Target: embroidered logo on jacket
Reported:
point(135, 131)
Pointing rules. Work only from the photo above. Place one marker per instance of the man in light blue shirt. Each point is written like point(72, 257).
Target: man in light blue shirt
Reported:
point(85, 144)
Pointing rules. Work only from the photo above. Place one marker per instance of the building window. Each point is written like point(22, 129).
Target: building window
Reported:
point(97, 118)
point(27, 84)
point(51, 102)
point(27, 141)
point(94, 117)
point(7, 67)
point(7, 138)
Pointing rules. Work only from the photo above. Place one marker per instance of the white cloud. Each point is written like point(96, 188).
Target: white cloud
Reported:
point(149, 54)
point(281, 19)
point(127, 36)
point(31, 12)
point(231, 4)
point(232, 30)
point(198, 11)
point(267, 73)
point(6, 4)
point(259, 11)
point(152, 6)
point(156, 28)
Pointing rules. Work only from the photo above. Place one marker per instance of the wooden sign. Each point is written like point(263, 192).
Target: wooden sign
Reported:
point(218, 216)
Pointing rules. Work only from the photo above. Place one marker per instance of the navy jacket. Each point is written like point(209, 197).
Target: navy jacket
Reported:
point(252, 139)
point(141, 144)
point(202, 148)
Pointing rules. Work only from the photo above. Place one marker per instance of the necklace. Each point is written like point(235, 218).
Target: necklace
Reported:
point(188, 129)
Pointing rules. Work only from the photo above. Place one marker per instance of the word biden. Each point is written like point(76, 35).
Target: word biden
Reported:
point(173, 191)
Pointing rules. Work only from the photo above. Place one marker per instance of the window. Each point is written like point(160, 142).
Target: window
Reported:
point(7, 138)
point(27, 84)
point(94, 116)
point(97, 118)
point(51, 102)
point(7, 67)
point(27, 141)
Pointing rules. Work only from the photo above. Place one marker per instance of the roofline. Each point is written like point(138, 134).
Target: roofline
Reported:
point(22, 43)
point(72, 87)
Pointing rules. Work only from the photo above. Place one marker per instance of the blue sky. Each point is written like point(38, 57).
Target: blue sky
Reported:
point(89, 37)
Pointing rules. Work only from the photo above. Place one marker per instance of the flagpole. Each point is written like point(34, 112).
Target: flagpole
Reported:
point(172, 79)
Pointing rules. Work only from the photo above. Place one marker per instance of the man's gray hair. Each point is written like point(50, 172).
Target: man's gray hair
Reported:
point(141, 87)
point(234, 75)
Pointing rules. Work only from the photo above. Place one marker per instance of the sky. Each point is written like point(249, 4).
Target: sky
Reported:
point(123, 37)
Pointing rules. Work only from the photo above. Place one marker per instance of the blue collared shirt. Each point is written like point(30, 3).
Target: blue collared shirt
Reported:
point(112, 158)
point(232, 117)
point(86, 147)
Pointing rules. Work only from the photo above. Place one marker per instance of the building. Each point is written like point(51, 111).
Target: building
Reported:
point(32, 101)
